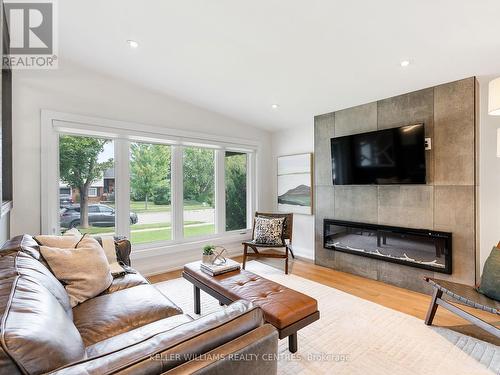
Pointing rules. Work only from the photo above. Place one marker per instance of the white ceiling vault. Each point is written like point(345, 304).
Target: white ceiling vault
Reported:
point(239, 57)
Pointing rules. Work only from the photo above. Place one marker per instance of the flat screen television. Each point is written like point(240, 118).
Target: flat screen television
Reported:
point(383, 157)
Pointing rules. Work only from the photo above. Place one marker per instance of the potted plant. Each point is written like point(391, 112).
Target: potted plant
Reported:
point(208, 254)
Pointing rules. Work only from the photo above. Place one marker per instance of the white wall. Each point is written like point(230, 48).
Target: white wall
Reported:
point(489, 175)
point(302, 140)
point(74, 89)
point(295, 141)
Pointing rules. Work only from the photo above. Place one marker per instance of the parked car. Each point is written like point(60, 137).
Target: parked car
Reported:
point(65, 200)
point(100, 215)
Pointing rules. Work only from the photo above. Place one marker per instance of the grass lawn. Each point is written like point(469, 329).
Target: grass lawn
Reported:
point(102, 230)
point(165, 235)
point(156, 232)
point(138, 207)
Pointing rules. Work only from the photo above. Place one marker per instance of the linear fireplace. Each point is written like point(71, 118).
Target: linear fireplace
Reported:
point(420, 248)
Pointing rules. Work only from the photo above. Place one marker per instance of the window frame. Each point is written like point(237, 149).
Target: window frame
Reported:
point(124, 133)
point(249, 214)
point(147, 245)
point(93, 195)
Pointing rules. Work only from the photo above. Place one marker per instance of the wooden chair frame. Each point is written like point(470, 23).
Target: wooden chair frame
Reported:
point(286, 235)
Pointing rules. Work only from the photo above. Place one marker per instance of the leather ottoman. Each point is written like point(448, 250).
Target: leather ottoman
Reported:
point(284, 308)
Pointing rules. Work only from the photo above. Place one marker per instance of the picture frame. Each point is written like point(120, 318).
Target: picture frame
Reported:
point(295, 183)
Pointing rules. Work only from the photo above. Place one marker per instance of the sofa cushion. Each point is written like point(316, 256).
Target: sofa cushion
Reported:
point(24, 243)
point(37, 333)
point(175, 346)
point(136, 335)
point(31, 268)
point(128, 280)
point(111, 314)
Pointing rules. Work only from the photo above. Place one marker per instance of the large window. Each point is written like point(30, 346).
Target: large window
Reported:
point(142, 184)
point(199, 191)
point(235, 164)
point(150, 197)
point(83, 204)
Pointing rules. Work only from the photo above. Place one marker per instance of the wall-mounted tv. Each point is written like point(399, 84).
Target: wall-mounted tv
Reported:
point(383, 157)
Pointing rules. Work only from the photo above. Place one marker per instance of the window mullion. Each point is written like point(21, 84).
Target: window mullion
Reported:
point(122, 187)
point(251, 188)
point(177, 191)
point(220, 192)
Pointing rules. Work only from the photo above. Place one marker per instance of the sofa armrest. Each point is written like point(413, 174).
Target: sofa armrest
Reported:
point(254, 353)
point(166, 350)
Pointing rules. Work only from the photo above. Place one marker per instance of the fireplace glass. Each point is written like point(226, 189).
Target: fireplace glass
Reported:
point(413, 247)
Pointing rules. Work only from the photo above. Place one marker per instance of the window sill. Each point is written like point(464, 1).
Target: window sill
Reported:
point(172, 247)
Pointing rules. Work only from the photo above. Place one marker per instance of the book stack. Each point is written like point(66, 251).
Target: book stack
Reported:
point(214, 270)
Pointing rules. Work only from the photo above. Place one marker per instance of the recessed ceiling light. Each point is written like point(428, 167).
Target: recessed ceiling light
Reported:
point(132, 43)
point(405, 63)
point(274, 106)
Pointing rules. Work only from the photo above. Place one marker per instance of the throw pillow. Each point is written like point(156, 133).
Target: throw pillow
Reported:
point(72, 232)
point(83, 269)
point(268, 231)
point(285, 222)
point(57, 241)
point(109, 247)
point(490, 279)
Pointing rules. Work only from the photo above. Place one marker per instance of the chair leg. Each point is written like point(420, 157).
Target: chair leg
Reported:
point(286, 261)
point(244, 256)
point(291, 252)
point(433, 306)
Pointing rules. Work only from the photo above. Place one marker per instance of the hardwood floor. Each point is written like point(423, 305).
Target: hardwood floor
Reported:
point(403, 300)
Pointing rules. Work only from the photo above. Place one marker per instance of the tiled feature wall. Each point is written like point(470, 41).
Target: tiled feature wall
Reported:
point(445, 203)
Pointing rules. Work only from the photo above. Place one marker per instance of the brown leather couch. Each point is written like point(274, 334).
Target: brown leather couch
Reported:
point(130, 328)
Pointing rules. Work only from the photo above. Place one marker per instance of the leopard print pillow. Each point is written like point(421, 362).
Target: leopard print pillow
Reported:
point(268, 231)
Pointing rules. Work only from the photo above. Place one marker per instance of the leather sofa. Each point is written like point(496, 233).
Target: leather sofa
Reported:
point(130, 328)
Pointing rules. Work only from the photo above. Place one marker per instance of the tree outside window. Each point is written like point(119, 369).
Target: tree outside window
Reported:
point(80, 165)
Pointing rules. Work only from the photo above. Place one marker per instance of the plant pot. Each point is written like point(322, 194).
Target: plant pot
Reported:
point(208, 259)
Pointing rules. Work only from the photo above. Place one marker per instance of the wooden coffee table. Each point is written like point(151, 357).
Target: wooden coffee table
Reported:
point(284, 308)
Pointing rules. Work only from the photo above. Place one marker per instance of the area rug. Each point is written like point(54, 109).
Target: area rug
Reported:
point(355, 336)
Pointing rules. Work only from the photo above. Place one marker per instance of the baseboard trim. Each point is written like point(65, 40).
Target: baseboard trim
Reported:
point(303, 253)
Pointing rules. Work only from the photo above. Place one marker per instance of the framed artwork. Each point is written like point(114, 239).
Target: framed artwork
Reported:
point(295, 183)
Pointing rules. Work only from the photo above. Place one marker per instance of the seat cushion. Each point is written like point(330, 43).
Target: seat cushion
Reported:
point(37, 332)
point(126, 281)
point(182, 343)
point(136, 335)
point(282, 306)
point(108, 315)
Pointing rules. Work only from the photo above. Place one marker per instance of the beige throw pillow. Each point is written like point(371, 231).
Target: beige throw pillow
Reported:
point(73, 232)
point(84, 270)
point(57, 241)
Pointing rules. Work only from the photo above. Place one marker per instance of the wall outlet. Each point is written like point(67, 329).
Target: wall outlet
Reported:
point(428, 143)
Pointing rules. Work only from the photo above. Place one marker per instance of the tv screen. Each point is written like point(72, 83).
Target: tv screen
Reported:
point(384, 157)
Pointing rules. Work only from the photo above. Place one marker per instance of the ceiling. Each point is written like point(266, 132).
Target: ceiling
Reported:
point(310, 57)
